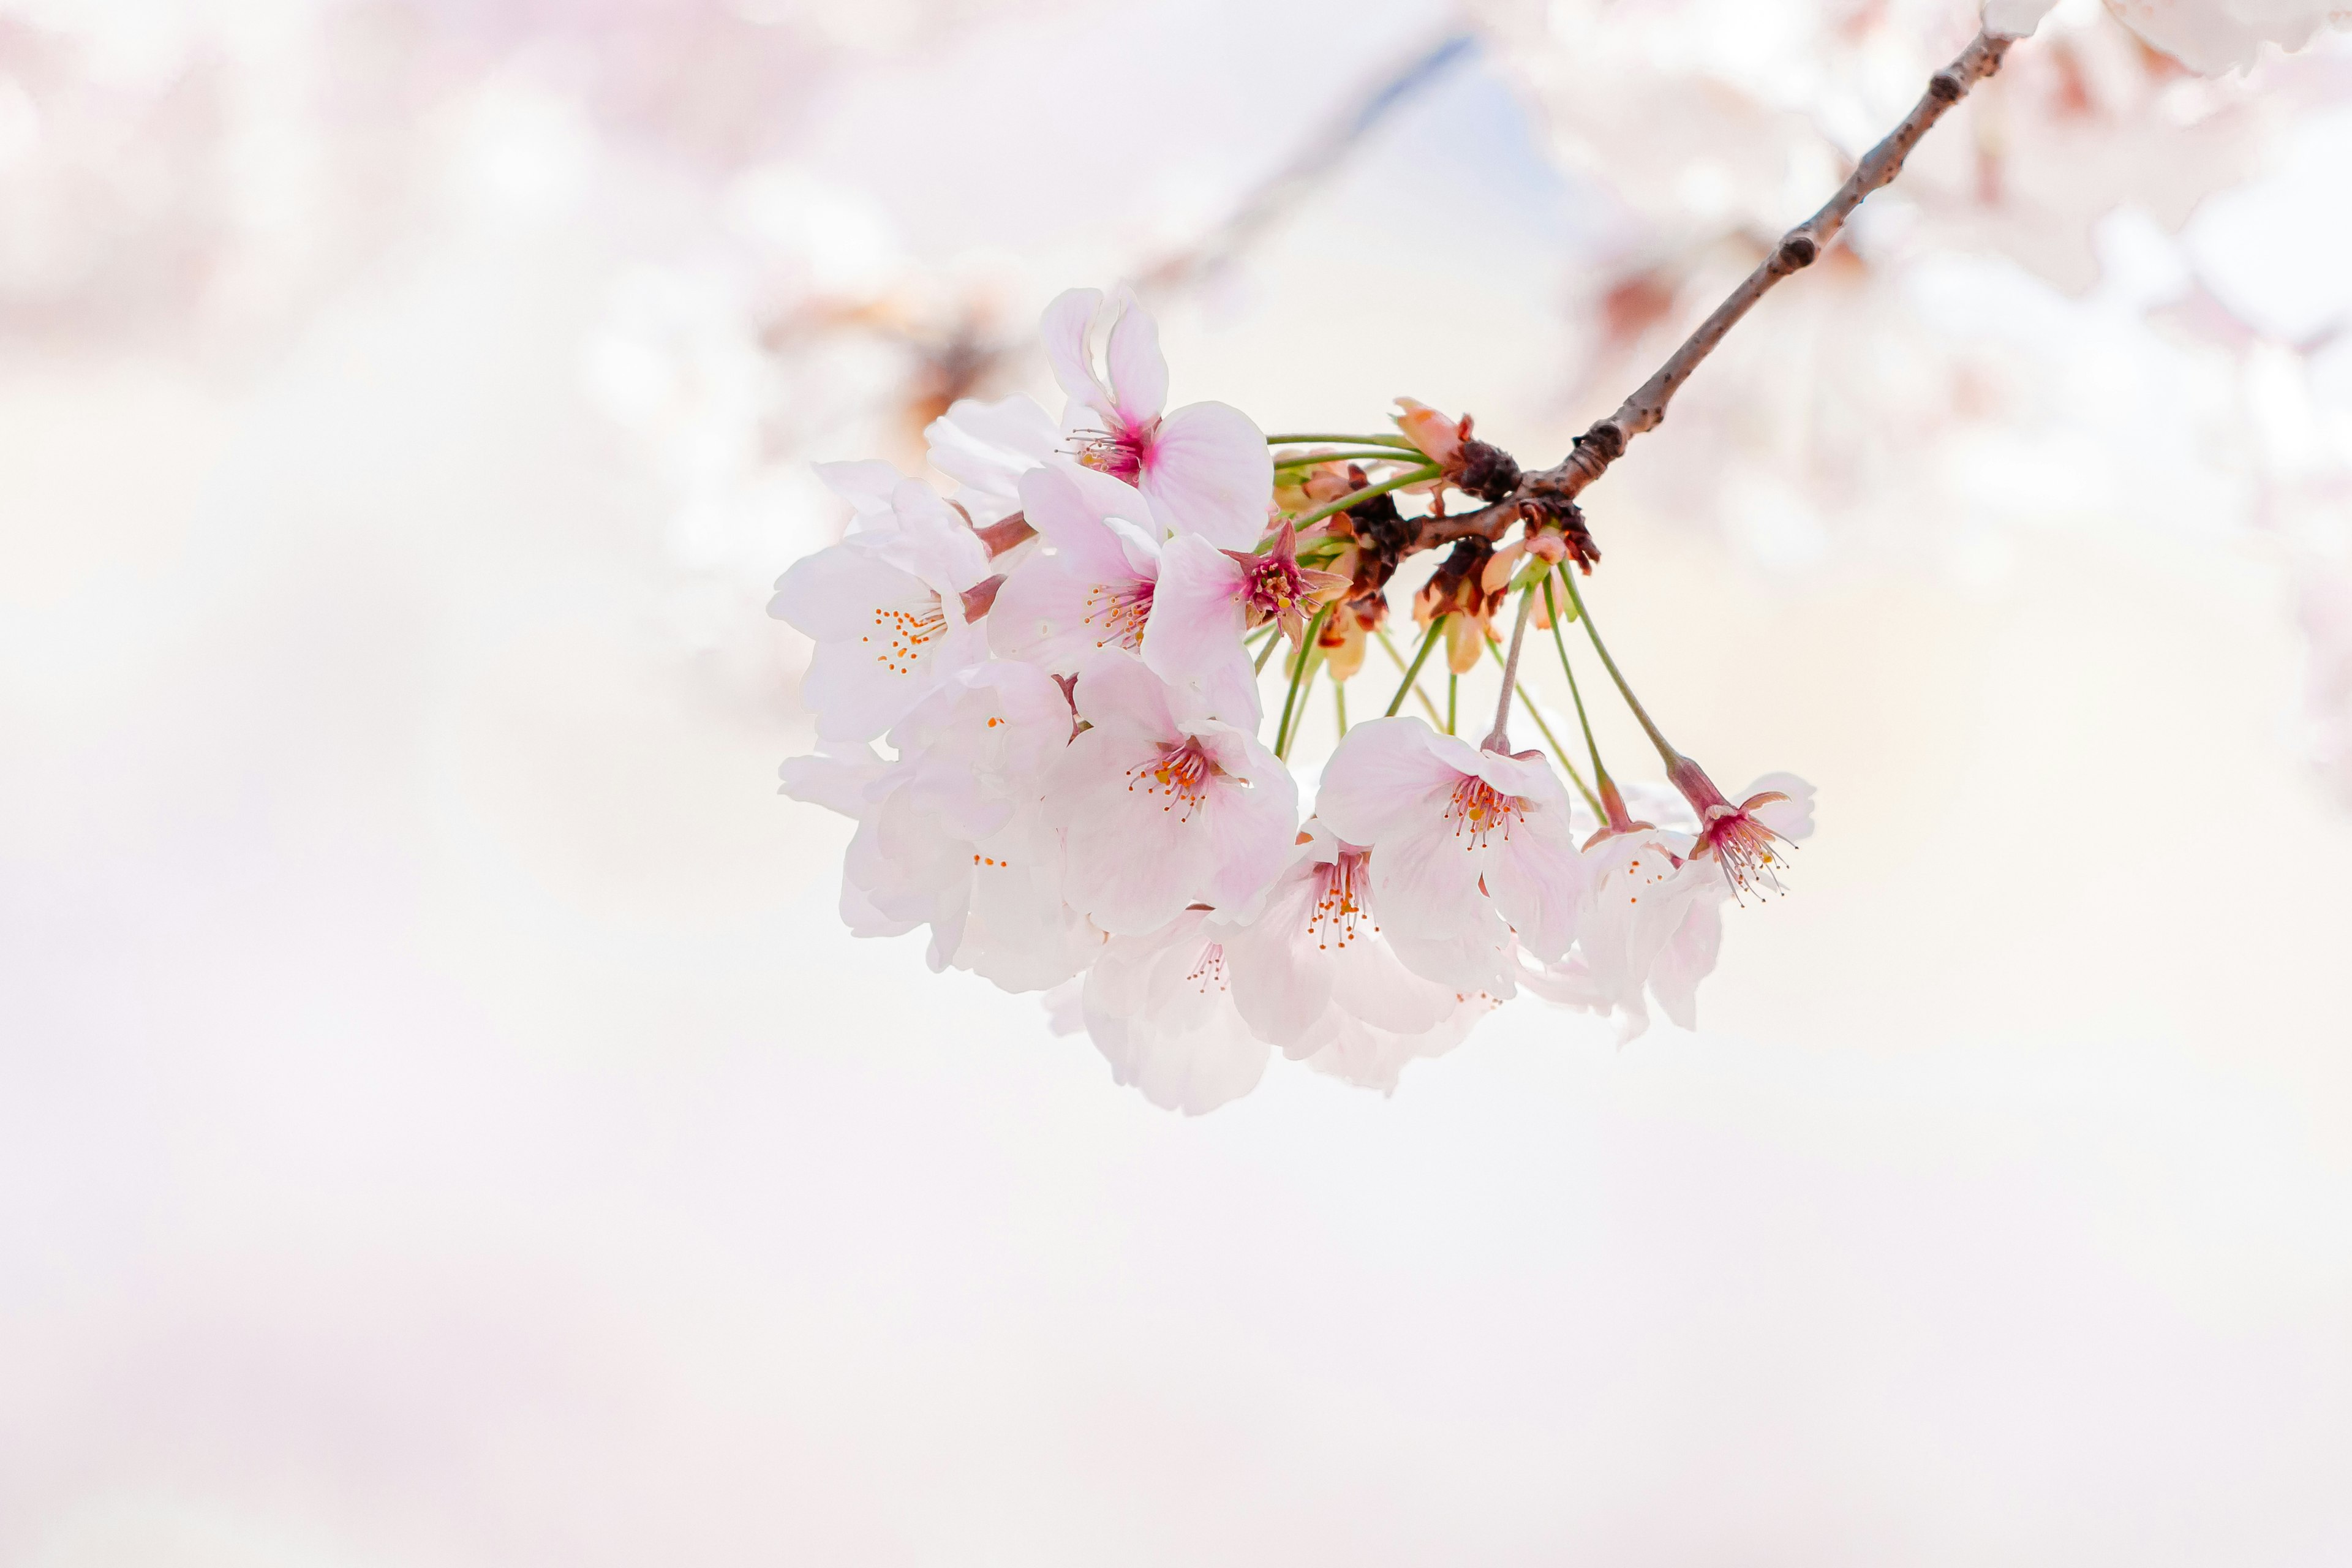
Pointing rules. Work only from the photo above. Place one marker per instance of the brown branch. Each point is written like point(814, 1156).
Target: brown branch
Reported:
point(1606, 441)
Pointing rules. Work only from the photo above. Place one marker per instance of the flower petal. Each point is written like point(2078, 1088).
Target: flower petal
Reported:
point(1381, 774)
point(1139, 371)
point(1207, 471)
point(1068, 322)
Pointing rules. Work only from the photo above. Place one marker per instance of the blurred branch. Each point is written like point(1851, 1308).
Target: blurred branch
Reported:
point(1554, 490)
point(1321, 153)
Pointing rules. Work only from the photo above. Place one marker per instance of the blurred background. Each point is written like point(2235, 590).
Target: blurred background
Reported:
point(442, 1120)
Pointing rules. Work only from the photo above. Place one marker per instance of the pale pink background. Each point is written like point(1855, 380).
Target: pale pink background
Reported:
point(442, 1122)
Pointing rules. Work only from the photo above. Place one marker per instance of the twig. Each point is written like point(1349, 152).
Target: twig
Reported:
point(1606, 441)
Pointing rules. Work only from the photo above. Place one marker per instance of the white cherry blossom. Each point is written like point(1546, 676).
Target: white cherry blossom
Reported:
point(986, 448)
point(1205, 467)
point(1159, 1009)
point(886, 608)
point(1162, 805)
point(952, 836)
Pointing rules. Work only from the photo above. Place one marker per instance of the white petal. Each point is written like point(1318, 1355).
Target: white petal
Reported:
point(1792, 818)
point(1067, 323)
point(1379, 776)
point(834, 777)
point(1116, 692)
point(2015, 18)
point(832, 594)
point(1139, 371)
point(1536, 882)
point(1195, 634)
point(1425, 876)
point(865, 485)
point(1687, 959)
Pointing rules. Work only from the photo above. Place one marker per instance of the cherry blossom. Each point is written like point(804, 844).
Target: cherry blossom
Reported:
point(987, 447)
point(1207, 597)
point(1205, 467)
point(886, 608)
point(1468, 846)
point(953, 835)
point(1779, 809)
point(1315, 945)
point(1159, 1009)
point(1071, 795)
point(1162, 805)
point(2217, 36)
point(1096, 587)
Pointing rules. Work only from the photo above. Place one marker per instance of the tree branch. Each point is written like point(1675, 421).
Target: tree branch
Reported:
point(1606, 441)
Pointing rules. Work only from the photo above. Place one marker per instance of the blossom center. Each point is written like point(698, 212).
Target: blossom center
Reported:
point(903, 631)
point(1477, 809)
point(1181, 775)
point(1120, 610)
point(1210, 972)
point(1746, 849)
point(1273, 587)
point(1118, 452)
point(1337, 916)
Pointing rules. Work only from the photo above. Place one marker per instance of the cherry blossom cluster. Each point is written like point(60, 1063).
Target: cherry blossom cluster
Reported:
point(1090, 665)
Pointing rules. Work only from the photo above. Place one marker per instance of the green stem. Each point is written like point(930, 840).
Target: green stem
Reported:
point(1351, 440)
point(1355, 498)
point(1657, 739)
point(1340, 705)
point(1382, 454)
point(1265, 654)
point(1599, 769)
point(1453, 698)
point(1412, 670)
point(1306, 651)
point(1388, 645)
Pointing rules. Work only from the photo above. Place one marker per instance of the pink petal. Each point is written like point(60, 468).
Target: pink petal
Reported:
point(1207, 471)
point(1195, 630)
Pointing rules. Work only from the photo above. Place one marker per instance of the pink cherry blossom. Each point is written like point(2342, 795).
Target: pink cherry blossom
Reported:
point(1162, 805)
point(1467, 845)
point(885, 609)
point(1205, 467)
point(1096, 587)
point(1206, 599)
point(1742, 839)
point(1312, 963)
